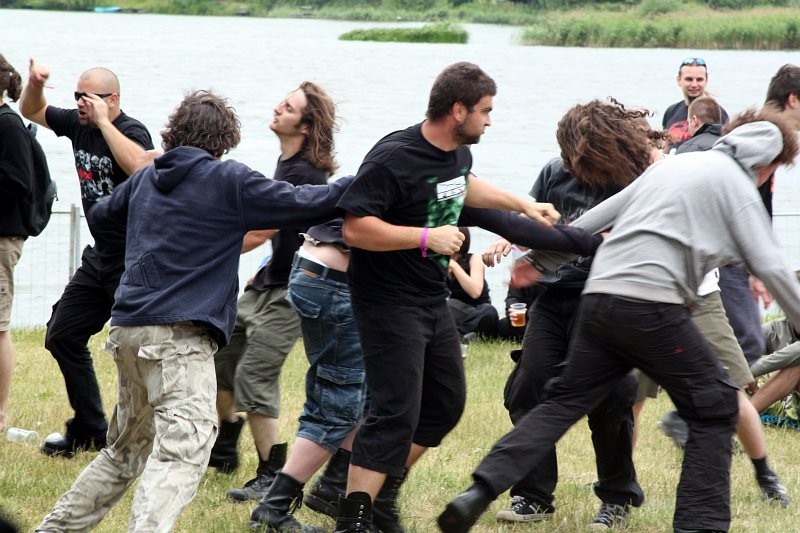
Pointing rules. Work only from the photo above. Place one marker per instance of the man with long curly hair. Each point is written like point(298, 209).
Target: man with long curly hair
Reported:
point(604, 147)
point(267, 327)
point(680, 219)
point(186, 216)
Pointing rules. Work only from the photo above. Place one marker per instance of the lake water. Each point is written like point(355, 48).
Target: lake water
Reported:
point(379, 87)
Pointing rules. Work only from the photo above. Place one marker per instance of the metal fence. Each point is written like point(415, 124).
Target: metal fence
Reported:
point(48, 261)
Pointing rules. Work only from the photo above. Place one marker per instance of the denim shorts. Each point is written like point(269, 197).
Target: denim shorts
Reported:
point(335, 384)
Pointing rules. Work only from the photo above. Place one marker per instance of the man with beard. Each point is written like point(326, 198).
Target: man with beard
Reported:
point(402, 213)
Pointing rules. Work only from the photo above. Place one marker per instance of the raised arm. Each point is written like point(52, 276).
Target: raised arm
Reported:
point(32, 103)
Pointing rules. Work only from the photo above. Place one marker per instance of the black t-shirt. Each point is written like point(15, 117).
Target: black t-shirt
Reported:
point(676, 121)
point(406, 181)
point(98, 171)
point(572, 198)
point(16, 172)
point(285, 243)
point(457, 292)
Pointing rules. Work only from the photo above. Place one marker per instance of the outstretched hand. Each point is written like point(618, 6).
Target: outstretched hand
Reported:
point(496, 252)
point(543, 213)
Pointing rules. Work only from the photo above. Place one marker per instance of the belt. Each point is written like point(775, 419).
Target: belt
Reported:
point(323, 271)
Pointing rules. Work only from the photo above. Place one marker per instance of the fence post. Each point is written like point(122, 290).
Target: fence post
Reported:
point(74, 239)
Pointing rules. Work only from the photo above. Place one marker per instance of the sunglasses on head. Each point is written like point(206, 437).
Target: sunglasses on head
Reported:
point(694, 61)
point(79, 95)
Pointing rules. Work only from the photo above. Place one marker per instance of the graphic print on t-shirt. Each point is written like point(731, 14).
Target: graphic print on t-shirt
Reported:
point(95, 174)
point(445, 208)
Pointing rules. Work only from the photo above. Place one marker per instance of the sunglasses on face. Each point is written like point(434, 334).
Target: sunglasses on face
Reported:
point(79, 95)
point(694, 61)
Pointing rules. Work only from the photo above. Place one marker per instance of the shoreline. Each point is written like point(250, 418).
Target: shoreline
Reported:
point(644, 25)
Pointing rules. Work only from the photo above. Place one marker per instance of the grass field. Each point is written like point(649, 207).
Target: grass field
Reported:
point(30, 483)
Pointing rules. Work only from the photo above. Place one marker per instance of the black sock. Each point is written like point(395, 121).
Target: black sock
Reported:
point(762, 468)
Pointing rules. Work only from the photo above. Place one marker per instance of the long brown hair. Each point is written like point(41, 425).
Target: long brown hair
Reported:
point(319, 116)
point(10, 80)
point(604, 144)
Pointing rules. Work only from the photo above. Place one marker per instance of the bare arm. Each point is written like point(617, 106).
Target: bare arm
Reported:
point(373, 234)
point(472, 283)
point(254, 239)
point(32, 103)
point(483, 194)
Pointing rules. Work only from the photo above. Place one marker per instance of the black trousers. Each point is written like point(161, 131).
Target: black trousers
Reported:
point(613, 335)
point(82, 311)
point(544, 349)
point(415, 381)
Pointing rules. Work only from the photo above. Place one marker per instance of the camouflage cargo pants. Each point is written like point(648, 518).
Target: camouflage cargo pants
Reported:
point(163, 427)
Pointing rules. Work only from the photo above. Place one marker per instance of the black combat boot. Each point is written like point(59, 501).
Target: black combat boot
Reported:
point(385, 514)
point(324, 495)
point(275, 511)
point(256, 488)
point(463, 511)
point(354, 514)
point(224, 455)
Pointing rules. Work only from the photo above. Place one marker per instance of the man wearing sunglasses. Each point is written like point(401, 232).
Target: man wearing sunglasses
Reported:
point(692, 79)
point(108, 146)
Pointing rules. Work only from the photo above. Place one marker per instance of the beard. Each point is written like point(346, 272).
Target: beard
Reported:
point(464, 137)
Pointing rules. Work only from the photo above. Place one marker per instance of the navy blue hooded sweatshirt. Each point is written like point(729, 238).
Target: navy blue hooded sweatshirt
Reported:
point(186, 216)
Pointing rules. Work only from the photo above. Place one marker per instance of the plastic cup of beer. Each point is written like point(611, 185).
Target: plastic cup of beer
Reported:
point(517, 314)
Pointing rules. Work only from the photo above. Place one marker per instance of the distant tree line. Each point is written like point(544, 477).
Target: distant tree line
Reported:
point(212, 6)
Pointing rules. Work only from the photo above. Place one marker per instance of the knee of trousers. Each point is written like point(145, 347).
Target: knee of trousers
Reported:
point(431, 431)
point(62, 345)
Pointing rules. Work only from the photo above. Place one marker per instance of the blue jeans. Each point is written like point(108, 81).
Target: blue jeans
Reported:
point(335, 382)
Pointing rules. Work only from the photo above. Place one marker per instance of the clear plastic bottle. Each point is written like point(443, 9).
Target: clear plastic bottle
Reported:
point(24, 436)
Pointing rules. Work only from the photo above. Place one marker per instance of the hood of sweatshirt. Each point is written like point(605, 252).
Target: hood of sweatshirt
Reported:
point(752, 145)
point(175, 165)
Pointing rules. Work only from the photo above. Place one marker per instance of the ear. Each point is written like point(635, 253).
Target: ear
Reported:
point(459, 111)
point(793, 101)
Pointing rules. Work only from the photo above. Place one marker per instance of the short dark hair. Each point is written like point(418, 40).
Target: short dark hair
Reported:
point(785, 82)
point(460, 82)
point(10, 80)
point(203, 120)
point(604, 144)
point(706, 109)
point(791, 147)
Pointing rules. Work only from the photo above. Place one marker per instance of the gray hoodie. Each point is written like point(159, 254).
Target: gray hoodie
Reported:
point(687, 215)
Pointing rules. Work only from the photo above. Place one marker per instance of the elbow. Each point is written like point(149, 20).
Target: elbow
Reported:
point(349, 234)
